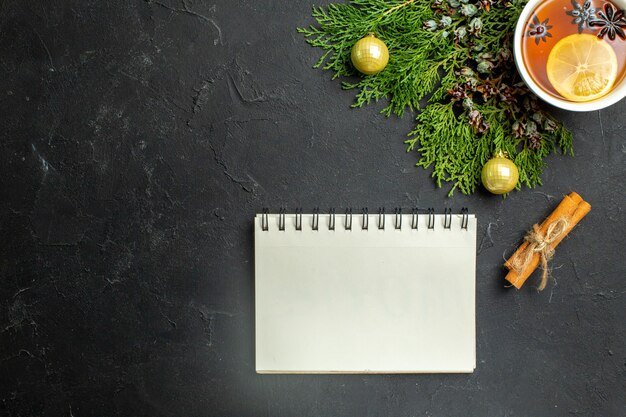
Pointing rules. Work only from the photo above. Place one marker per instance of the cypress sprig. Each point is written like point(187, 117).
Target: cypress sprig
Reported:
point(451, 62)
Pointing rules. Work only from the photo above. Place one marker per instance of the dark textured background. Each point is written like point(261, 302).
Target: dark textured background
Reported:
point(139, 138)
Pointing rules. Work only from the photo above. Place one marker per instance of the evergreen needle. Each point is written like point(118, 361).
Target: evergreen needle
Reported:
point(451, 62)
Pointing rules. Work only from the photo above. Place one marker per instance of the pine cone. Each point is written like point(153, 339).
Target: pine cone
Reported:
point(457, 93)
point(518, 129)
point(507, 94)
point(477, 122)
point(486, 4)
point(534, 141)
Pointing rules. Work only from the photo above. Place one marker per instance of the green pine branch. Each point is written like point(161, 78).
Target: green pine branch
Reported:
point(451, 62)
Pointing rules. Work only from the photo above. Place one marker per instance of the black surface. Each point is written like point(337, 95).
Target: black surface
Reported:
point(139, 138)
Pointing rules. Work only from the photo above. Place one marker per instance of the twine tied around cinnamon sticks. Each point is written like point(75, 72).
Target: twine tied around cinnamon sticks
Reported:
point(541, 240)
point(540, 243)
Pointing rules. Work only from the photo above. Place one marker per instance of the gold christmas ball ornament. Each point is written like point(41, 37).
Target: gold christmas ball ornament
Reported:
point(370, 55)
point(500, 174)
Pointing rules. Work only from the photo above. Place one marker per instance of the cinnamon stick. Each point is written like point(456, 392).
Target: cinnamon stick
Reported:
point(573, 208)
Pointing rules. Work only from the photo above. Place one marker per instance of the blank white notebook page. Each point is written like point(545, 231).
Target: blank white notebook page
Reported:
point(365, 301)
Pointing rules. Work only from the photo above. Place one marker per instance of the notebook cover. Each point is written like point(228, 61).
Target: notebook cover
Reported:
point(365, 301)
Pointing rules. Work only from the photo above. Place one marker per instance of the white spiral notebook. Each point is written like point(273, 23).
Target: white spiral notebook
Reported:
point(366, 293)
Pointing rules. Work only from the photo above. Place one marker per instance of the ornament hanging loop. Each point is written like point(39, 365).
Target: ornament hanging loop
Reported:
point(501, 154)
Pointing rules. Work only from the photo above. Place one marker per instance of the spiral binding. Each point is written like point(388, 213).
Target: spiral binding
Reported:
point(398, 223)
point(366, 219)
point(447, 218)
point(465, 218)
point(281, 219)
point(431, 218)
point(347, 224)
point(414, 213)
point(264, 220)
point(316, 219)
point(299, 219)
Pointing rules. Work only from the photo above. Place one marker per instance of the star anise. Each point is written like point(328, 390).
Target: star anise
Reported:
point(539, 29)
point(582, 14)
point(611, 21)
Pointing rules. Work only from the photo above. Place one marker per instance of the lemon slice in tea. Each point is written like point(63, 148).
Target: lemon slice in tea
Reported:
point(582, 67)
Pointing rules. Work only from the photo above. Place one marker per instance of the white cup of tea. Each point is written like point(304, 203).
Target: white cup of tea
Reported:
point(615, 94)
